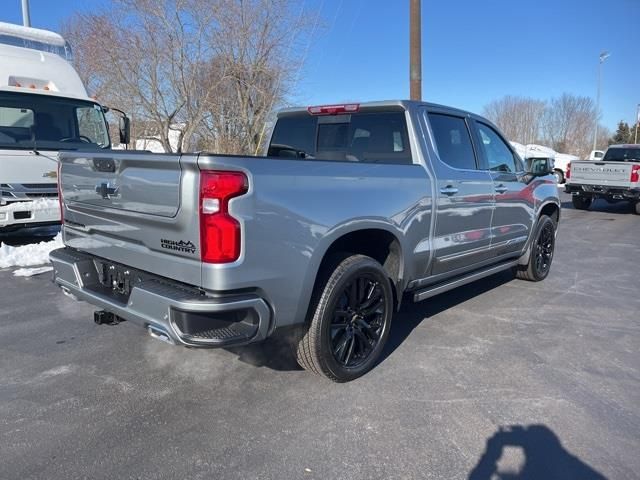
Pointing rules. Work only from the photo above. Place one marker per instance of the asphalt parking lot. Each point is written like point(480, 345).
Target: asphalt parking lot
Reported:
point(499, 379)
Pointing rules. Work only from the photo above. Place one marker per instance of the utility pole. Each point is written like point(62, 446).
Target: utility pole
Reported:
point(603, 57)
point(637, 122)
point(415, 40)
point(26, 17)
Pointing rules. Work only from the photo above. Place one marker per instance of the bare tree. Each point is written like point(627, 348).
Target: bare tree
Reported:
point(519, 118)
point(202, 69)
point(568, 124)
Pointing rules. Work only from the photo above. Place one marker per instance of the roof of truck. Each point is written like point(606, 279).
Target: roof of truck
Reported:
point(32, 71)
point(405, 104)
point(625, 145)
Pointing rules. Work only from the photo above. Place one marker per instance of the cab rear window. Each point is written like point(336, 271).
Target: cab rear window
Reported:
point(359, 137)
point(630, 154)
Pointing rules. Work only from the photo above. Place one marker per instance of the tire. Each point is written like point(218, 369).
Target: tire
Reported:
point(559, 176)
point(581, 203)
point(636, 208)
point(542, 249)
point(346, 333)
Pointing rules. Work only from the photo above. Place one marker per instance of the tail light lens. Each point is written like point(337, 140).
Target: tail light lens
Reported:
point(220, 235)
point(635, 173)
point(568, 173)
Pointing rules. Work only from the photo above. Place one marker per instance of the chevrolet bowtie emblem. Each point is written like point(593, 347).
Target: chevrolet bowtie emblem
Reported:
point(106, 190)
point(51, 174)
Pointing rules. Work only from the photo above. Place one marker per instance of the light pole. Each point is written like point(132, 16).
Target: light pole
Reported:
point(637, 122)
point(603, 56)
point(26, 18)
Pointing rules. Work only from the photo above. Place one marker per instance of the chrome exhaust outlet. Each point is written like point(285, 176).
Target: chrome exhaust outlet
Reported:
point(159, 334)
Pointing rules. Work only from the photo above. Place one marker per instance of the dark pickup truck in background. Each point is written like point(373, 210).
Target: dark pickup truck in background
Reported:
point(353, 207)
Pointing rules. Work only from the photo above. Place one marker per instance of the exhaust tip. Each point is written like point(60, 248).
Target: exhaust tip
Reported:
point(159, 334)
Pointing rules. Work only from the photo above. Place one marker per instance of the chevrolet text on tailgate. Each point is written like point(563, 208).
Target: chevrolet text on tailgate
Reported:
point(352, 207)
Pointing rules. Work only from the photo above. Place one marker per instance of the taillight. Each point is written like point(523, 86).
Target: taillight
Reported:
point(219, 231)
point(60, 192)
point(334, 109)
point(568, 173)
point(635, 173)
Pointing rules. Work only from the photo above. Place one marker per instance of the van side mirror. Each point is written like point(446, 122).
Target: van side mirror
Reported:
point(124, 129)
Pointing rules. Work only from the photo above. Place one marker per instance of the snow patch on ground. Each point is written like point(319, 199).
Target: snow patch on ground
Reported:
point(30, 272)
point(28, 255)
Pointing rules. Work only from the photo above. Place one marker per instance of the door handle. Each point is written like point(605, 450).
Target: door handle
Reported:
point(501, 189)
point(449, 190)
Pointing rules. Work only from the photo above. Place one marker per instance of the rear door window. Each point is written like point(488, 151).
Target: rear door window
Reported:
point(360, 137)
point(453, 141)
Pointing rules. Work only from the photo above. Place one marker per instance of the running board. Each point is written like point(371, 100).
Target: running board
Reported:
point(447, 285)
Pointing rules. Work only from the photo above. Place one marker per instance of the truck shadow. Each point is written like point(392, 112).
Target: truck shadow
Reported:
point(544, 457)
point(603, 206)
point(412, 314)
point(275, 352)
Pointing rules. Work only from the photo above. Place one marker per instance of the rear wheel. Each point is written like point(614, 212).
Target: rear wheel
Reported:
point(350, 322)
point(542, 249)
point(581, 203)
point(637, 208)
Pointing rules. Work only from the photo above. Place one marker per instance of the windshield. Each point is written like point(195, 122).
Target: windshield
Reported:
point(30, 121)
point(622, 154)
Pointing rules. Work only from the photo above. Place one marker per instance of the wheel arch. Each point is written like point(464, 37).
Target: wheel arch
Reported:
point(379, 242)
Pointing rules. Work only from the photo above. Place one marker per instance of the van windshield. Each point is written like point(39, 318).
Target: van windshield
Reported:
point(29, 121)
point(622, 154)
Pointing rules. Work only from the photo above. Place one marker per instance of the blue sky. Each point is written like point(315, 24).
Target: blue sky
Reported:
point(473, 51)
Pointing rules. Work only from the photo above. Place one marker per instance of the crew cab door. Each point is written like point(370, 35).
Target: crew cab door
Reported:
point(514, 201)
point(465, 197)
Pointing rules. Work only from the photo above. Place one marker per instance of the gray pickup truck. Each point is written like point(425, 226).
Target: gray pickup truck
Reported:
point(353, 208)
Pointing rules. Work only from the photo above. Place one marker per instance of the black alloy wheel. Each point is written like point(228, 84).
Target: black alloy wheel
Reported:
point(541, 251)
point(350, 318)
point(358, 320)
point(544, 249)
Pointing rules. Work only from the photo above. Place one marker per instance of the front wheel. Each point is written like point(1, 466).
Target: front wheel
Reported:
point(636, 207)
point(542, 249)
point(350, 323)
point(581, 203)
point(559, 176)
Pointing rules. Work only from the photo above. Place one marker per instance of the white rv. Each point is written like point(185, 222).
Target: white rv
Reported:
point(44, 108)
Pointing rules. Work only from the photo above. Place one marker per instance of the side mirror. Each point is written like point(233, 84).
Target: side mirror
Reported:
point(539, 166)
point(124, 128)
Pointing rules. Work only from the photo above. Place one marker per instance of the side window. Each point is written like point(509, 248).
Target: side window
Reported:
point(91, 125)
point(453, 141)
point(499, 156)
point(293, 137)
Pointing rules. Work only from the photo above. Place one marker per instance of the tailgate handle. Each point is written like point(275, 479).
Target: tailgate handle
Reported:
point(107, 165)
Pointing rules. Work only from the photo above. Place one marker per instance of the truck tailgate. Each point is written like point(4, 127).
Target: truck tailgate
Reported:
point(135, 208)
point(616, 174)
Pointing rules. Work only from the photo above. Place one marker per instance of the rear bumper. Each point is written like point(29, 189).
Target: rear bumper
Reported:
point(174, 312)
point(617, 193)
